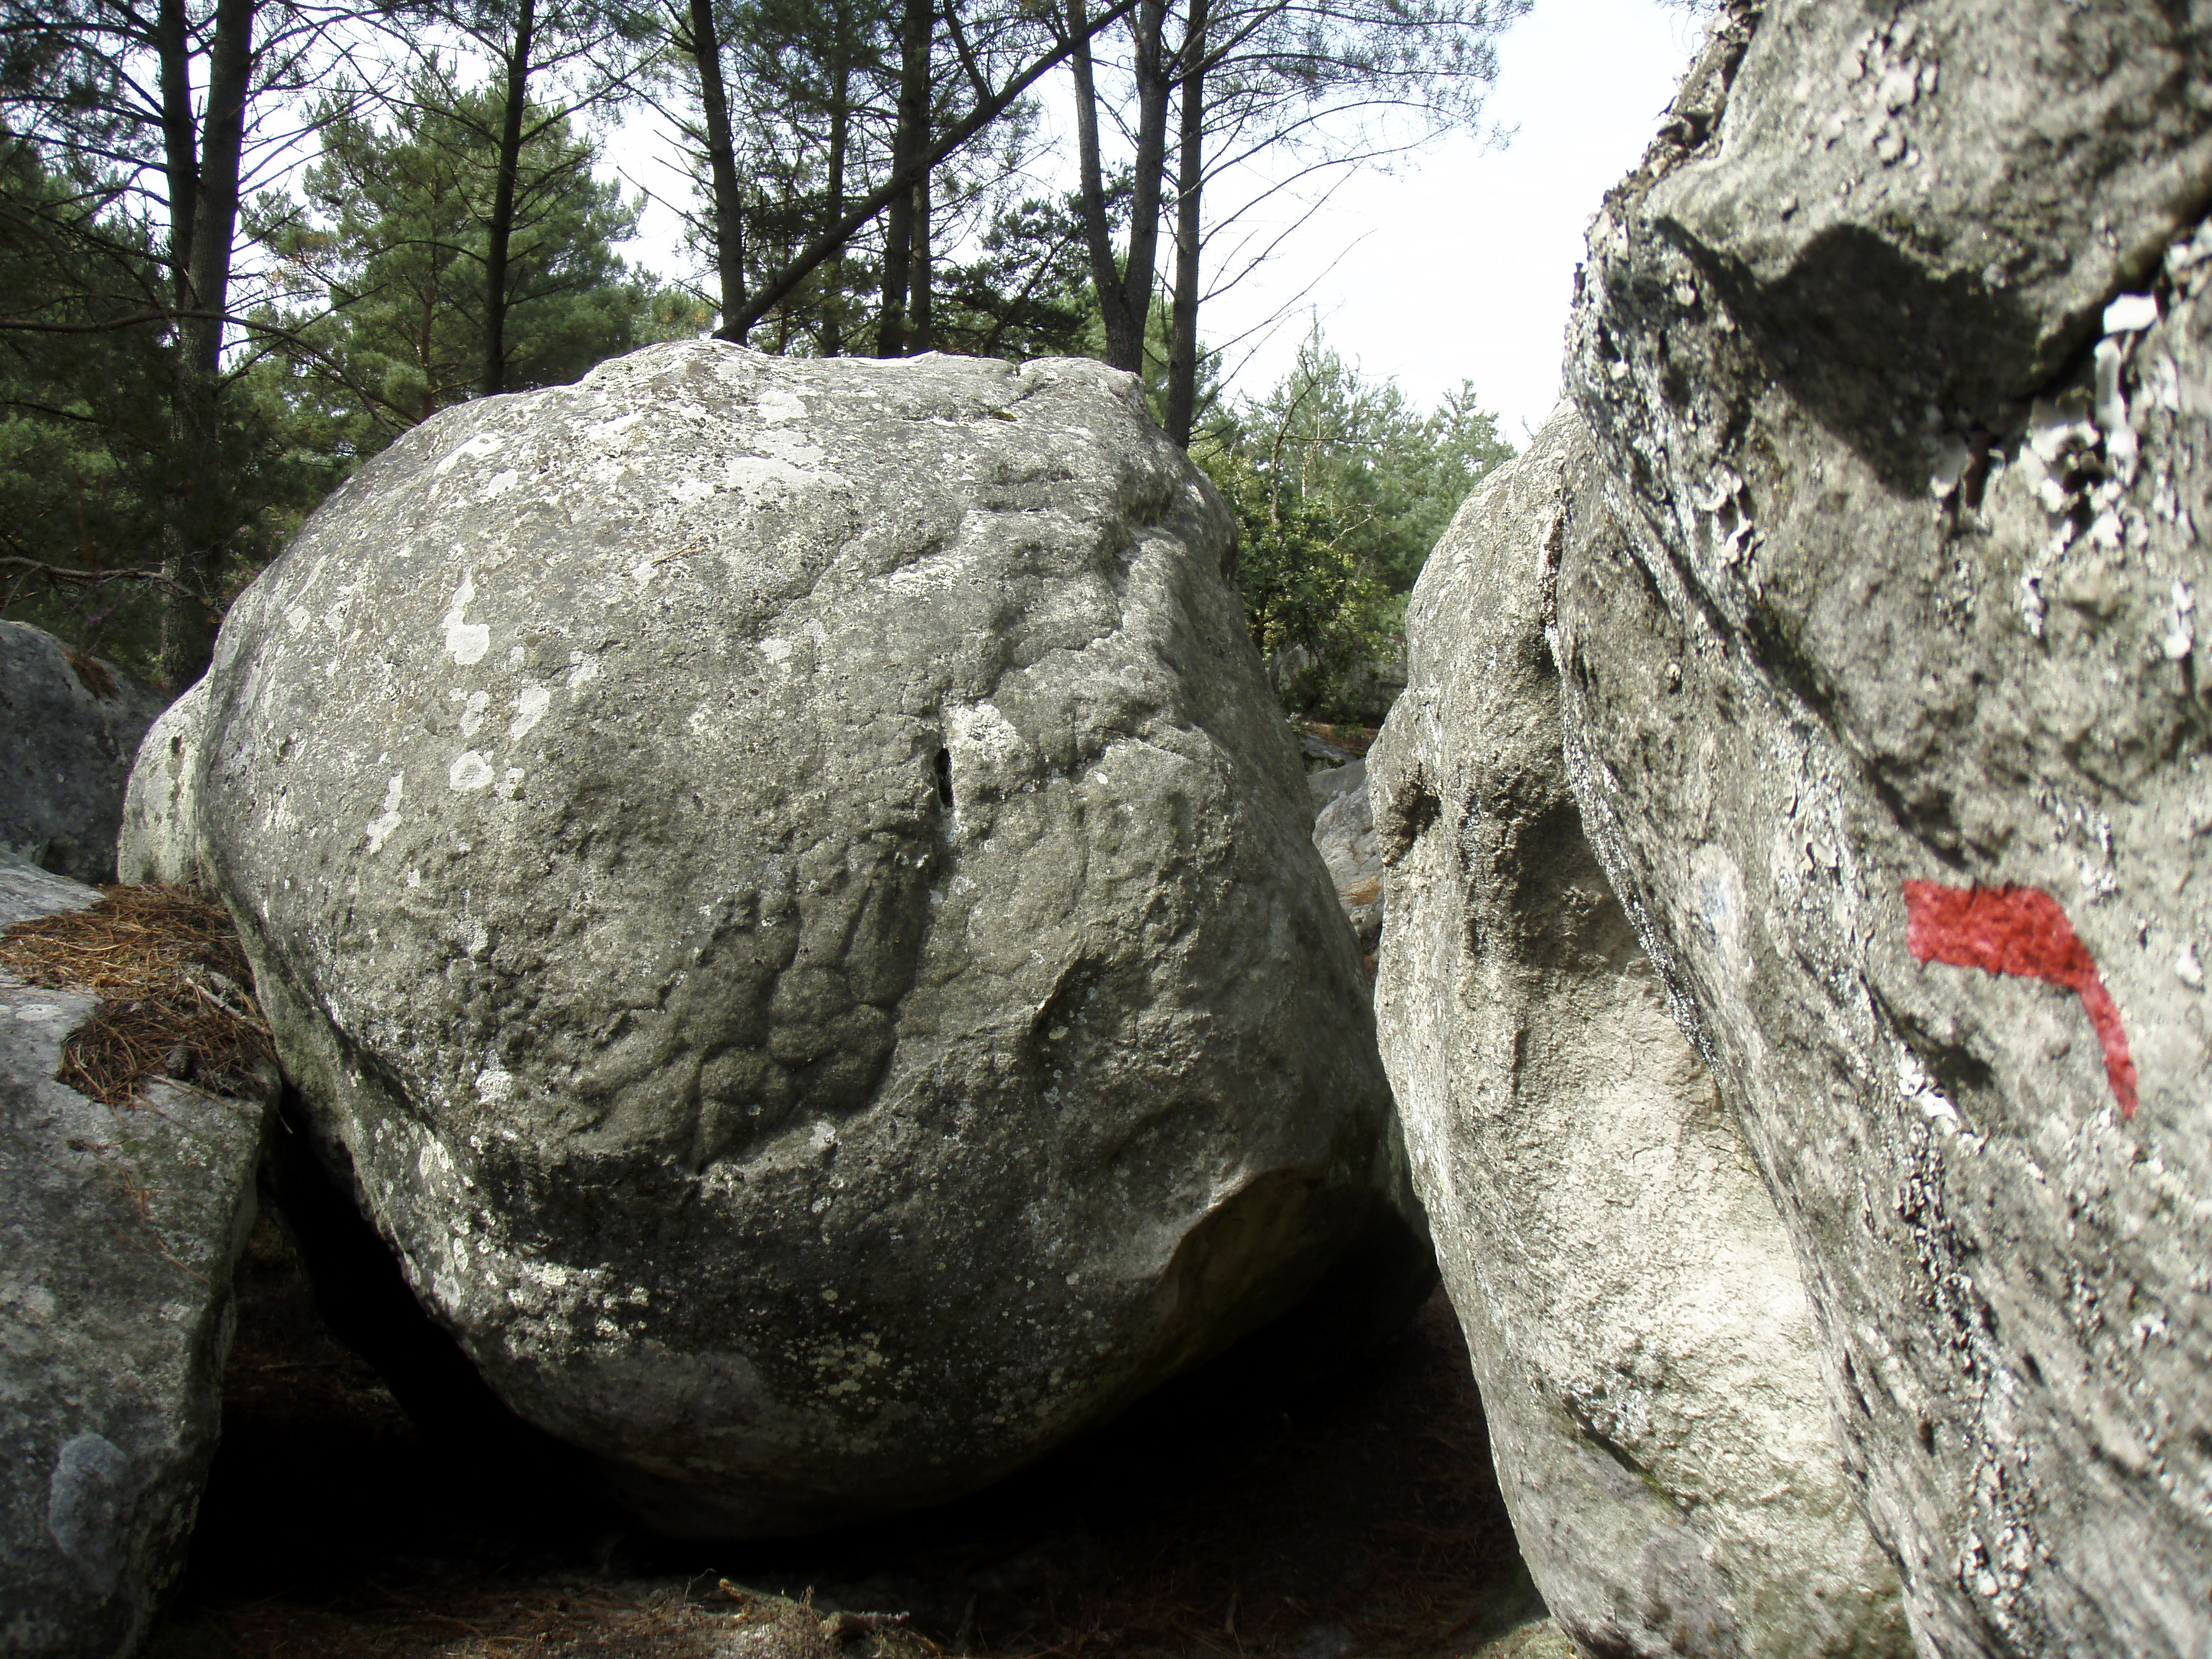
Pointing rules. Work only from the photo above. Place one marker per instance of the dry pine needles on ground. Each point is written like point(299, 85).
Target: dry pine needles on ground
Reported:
point(173, 984)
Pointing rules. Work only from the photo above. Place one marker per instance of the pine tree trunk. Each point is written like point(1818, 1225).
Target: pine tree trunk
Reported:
point(501, 231)
point(919, 335)
point(909, 141)
point(179, 139)
point(722, 168)
point(193, 500)
point(1124, 290)
point(1190, 179)
point(1151, 73)
point(841, 127)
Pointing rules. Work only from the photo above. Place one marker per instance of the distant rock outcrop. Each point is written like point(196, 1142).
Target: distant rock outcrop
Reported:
point(1646, 1353)
point(1887, 715)
point(783, 887)
point(69, 727)
point(119, 1231)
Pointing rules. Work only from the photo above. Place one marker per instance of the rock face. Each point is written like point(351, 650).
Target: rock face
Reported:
point(1898, 361)
point(118, 1232)
point(69, 726)
point(784, 885)
point(1646, 1353)
point(1344, 833)
point(159, 838)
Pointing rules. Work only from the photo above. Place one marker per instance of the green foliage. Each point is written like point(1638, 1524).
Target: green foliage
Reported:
point(1340, 488)
point(1388, 477)
point(1028, 292)
point(1304, 589)
point(84, 424)
point(392, 240)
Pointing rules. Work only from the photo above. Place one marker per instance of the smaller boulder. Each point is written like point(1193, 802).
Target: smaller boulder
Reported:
point(119, 1228)
point(1345, 834)
point(1644, 1345)
point(160, 838)
point(69, 727)
point(1332, 782)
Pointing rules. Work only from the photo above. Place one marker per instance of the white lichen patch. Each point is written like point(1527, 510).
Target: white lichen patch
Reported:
point(469, 771)
point(467, 640)
point(530, 706)
point(380, 827)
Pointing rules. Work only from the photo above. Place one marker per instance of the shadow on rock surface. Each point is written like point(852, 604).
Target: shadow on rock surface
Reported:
point(1239, 1510)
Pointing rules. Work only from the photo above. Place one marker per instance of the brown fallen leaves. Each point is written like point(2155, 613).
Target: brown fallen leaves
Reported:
point(174, 989)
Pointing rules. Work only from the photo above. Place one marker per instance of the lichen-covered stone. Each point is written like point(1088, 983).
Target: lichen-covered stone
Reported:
point(1898, 361)
point(118, 1232)
point(69, 726)
point(160, 837)
point(784, 885)
point(1649, 1369)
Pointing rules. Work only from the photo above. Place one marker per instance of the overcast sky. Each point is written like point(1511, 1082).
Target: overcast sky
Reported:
point(1459, 266)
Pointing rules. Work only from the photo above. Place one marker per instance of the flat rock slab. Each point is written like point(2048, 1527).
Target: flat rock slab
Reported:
point(118, 1232)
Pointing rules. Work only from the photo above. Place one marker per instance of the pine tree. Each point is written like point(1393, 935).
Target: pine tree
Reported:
point(395, 244)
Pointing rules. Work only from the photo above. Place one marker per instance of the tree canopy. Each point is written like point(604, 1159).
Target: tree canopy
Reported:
point(387, 248)
point(251, 241)
point(1341, 488)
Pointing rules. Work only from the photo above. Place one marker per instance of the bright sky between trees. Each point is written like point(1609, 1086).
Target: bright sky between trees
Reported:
point(1459, 265)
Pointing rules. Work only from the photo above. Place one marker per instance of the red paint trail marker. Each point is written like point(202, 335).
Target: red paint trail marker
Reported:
point(2018, 930)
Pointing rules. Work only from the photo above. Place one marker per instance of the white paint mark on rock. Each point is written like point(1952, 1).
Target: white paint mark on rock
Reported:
point(381, 826)
point(471, 772)
point(467, 640)
point(530, 707)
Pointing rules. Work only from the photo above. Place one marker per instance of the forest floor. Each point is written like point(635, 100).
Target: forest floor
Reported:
point(1228, 1517)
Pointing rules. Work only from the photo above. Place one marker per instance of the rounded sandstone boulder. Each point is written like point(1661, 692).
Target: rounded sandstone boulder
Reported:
point(785, 883)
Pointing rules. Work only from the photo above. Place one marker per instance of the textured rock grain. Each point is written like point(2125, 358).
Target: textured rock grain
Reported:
point(119, 1232)
point(784, 884)
point(1899, 365)
point(69, 726)
point(1648, 1368)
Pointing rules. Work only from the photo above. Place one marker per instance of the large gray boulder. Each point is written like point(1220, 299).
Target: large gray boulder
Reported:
point(120, 1228)
point(1896, 354)
point(69, 727)
point(1646, 1352)
point(784, 886)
